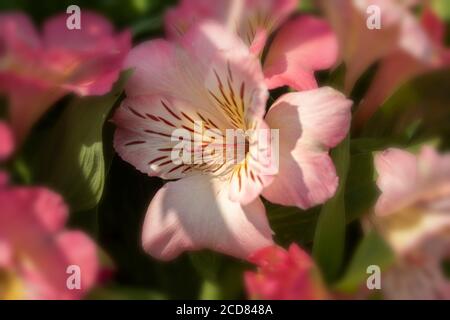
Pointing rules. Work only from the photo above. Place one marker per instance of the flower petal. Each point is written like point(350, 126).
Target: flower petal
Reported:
point(260, 166)
point(206, 70)
point(284, 275)
point(179, 19)
point(301, 47)
point(92, 56)
point(79, 250)
point(6, 141)
point(397, 176)
point(31, 220)
point(361, 46)
point(94, 30)
point(198, 79)
point(17, 29)
point(148, 128)
point(37, 72)
point(176, 221)
point(310, 123)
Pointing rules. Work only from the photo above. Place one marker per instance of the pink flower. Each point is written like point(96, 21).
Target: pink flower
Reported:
point(302, 46)
point(362, 46)
point(6, 141)
point(208, 76)
point(413, 214)
point(35, 250)
point(284, 275)
point(400, 66)
point(36, 70)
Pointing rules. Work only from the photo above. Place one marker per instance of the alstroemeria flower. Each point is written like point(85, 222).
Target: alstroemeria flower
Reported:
point(209, 76)
point(284, 275)
point(6, 141)
point(36, 70)
point(400, 66)
point(302, 46)
point(361, 47)
point(413, 214)
point(35, 250)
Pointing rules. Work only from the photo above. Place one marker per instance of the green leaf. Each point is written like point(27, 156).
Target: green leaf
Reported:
point(70, 157)
point(115, 292)
point(207, 263)
point(222, 275)
point(329, 238)
point(442, 8)
point(417, 111)
point(371, 251)
point(291, 224)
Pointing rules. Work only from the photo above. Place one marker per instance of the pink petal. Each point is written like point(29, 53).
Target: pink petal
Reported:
point(199, 79)
point(434, 26)
point(310, 123)
point(252, 20)
point(194, 66)
point(300, 48)
point(4, 179)
point(284, 275)
point(45, 208)
point(6, 257)
point(145, 127)
point(360, 46)
point(176, 221)
point(95, 29)
point(40, 71)
point(179, 19)
point(426, 52)
point(30, 223)
point(16, 29)
point(261, 17)
point(416, 281)
point(94, 53)
point(258, 42)
point(6, 141)
point(79, 250)
point(397, 176)
point(413, 209)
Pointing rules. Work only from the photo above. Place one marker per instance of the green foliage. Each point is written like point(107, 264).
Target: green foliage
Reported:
point(417, 111)
point(371, 251)
point(70, 156)
point(442, 7)
point(291, 224)
point(329, 238)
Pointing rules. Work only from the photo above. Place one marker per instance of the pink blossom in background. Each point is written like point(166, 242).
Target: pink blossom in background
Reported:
point(284, 275)
point(209, 75)
point(413, 214)
point(302, 46)
point(38, 69)
point(35, 249)
point(6, 141)
point(361, 47)
point(400, 66)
